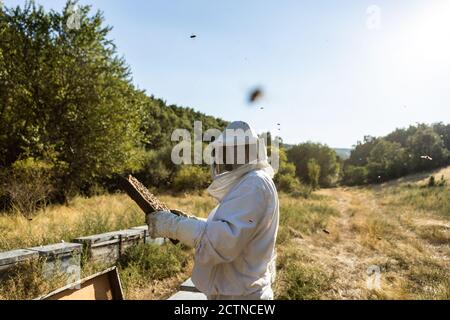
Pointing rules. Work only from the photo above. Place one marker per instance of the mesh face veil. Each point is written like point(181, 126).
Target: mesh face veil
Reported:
point(237, 146)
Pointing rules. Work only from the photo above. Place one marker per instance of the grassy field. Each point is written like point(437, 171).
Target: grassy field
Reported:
point(326, 243)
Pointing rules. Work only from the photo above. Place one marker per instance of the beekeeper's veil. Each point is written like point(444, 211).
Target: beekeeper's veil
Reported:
point(237, 151)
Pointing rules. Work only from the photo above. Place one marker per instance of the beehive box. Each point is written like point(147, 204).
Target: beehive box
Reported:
point(101, 286)
point(10, 259)
point(61, 258)
point(147, 238)
point(106, 248)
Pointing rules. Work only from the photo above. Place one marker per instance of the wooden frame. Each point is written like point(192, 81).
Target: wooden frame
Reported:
point(101, 286)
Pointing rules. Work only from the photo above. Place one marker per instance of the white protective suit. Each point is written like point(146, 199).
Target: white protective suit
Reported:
point(235, 248)
point(235, 257)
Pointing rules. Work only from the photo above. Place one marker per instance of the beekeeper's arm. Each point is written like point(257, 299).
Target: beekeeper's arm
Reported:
point(223, 238)
point(172, 225)
point(233, 226)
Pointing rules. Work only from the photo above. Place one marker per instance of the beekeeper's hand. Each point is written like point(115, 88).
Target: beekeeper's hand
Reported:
point(165, 224)
point(184, 214)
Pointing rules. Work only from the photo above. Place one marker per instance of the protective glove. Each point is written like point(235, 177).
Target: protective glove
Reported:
point(165, 224)
point(183, 214)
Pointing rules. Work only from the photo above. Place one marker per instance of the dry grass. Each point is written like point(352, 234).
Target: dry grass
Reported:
point(199, 204)
point(56, 223)
point(139, 274)
point(152, 272)
point(375, 229)
point(28, 281)
point(325, 245)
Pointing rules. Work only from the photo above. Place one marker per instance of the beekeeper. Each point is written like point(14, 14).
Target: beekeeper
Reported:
point(235, 247)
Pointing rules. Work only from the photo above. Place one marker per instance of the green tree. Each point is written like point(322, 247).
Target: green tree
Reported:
point(354, 175)
point(313, 173)
point(68, 98)
point(285, 179)
point(401, 136)
point(325, 156)
point(444, 133)
point(190, 177)
point(360, 154)
point(426, 143)
point(158, 169)
point(387, 160)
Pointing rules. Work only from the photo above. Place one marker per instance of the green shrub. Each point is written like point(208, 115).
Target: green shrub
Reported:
point(286, 179)
point(287, 183)
point(303, 191)
point(313, 173)
point(27, 281)
point(387, 160)
point(432, 182)
point(191, 178)
point(158, 169)
point(27, 185)
point(354, 176)
point(442, 182)
point(325, 157)
point(153, 262)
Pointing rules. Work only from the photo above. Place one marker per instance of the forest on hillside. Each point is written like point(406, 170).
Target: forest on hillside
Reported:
point(71, 119)
point(405, 151)
point(70, 114)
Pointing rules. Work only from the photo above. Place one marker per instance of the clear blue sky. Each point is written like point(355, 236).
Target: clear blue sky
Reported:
point(327, 76)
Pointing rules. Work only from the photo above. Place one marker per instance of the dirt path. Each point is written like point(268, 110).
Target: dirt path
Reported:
point(368, 236)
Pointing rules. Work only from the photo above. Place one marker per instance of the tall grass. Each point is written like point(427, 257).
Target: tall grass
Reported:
point(364, 227)
point(147, 271)
point(433, 199)
point(64, 223)
point(298, 277)
point(146, 265)
point(300, 217)
point(27, 281)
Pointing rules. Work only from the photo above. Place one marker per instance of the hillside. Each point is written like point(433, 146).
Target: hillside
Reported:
point(399, 229)
point(421, 178)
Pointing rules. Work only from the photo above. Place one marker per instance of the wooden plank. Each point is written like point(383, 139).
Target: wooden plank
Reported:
point(58, 249)
point(116, 285)
point(146, 200)
point(106, 248)
point(61, 258)
point(99, 238)
point(15, 256)
point(10, 259)
point(101, 286)
point(140, 194)
point(111, 237)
